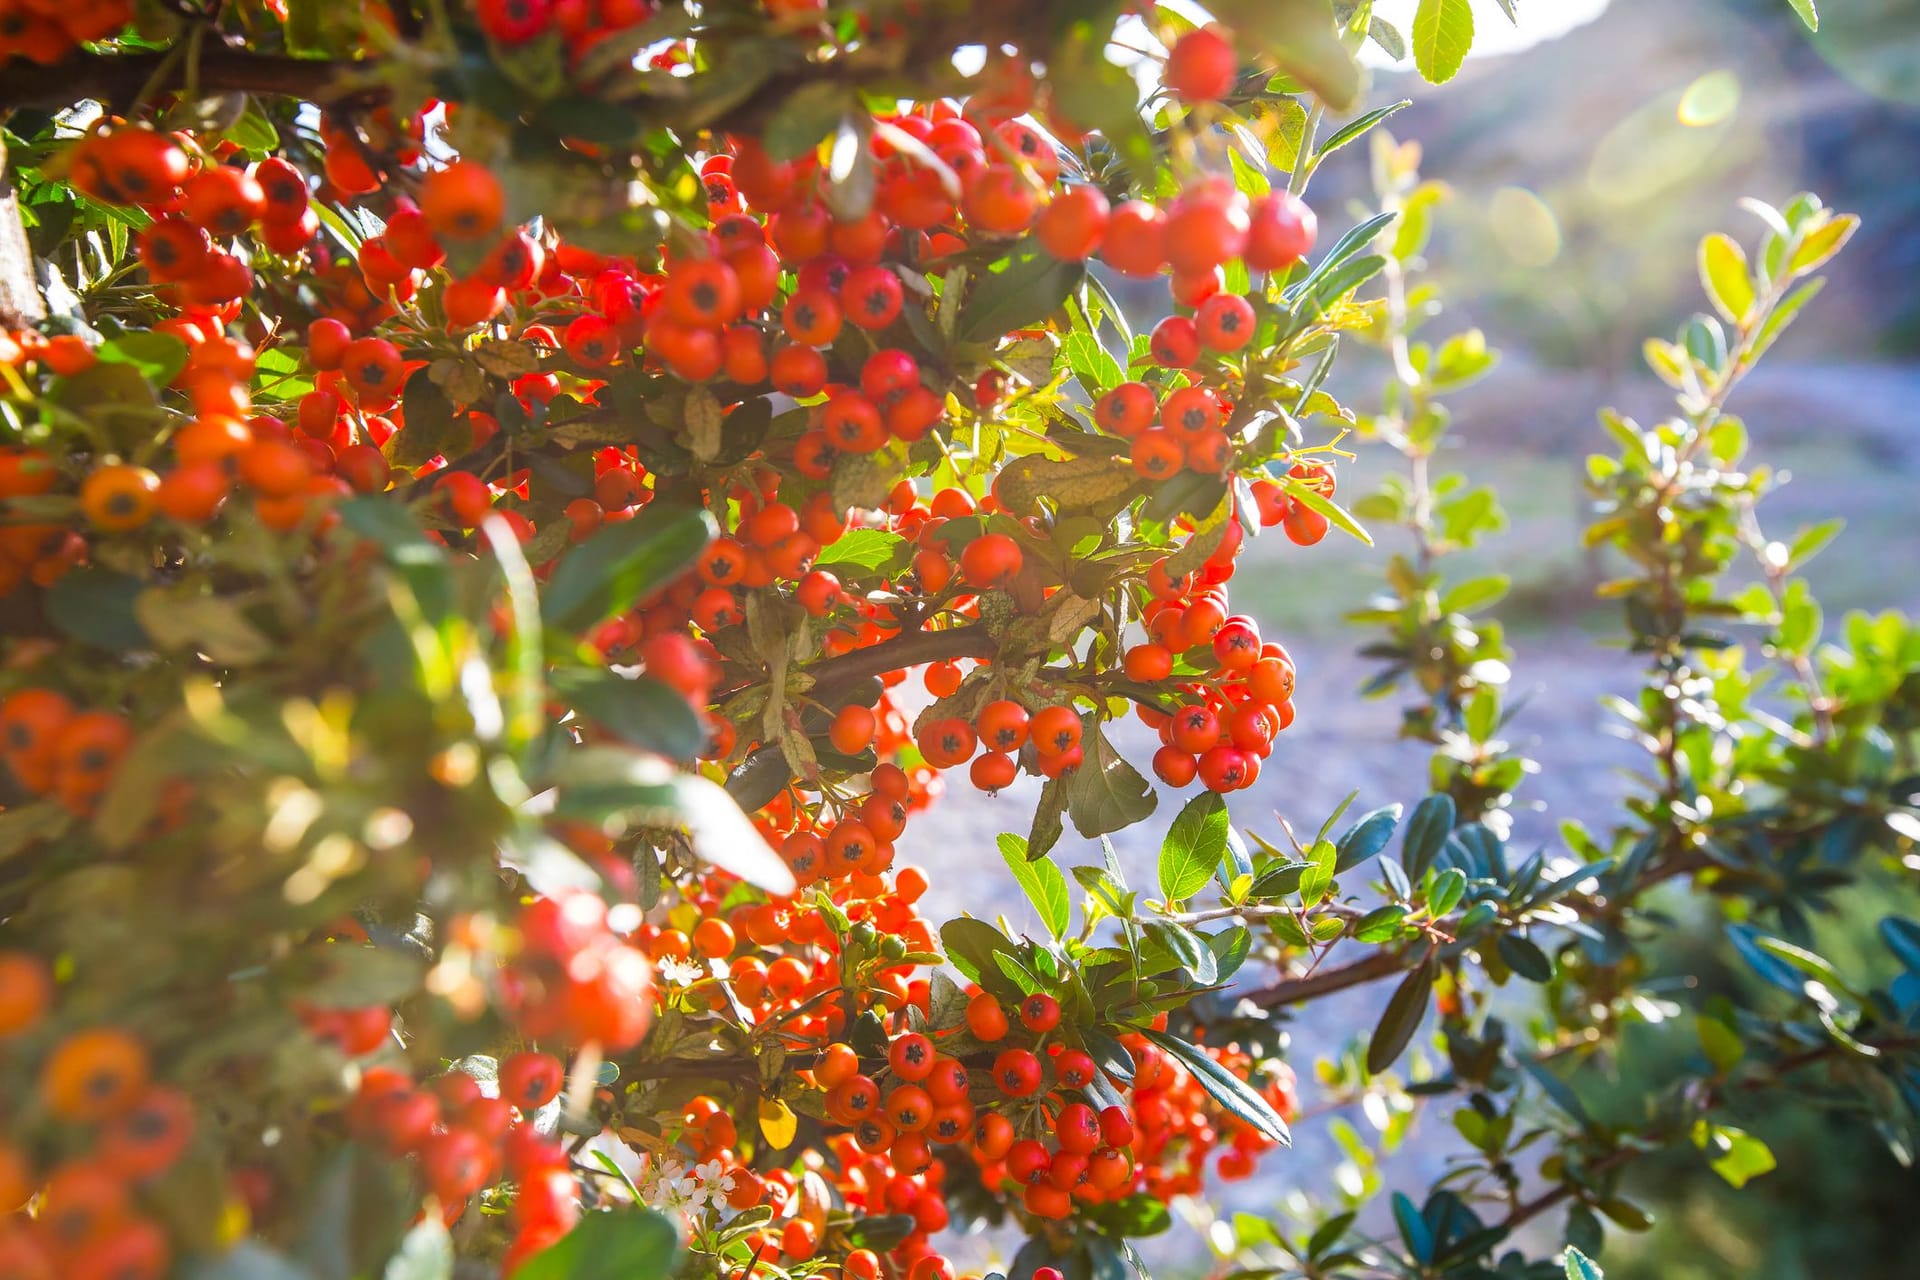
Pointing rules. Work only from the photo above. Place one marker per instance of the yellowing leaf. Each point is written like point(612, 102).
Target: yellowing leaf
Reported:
point(1724, 275)
point(778, 1124)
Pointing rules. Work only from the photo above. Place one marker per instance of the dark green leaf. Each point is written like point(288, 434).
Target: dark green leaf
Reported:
point(879, 1233)
point(1047, 827)
point(1413, 1228)
point(1194, 955)
point(1554, 1087)
point(355, 977)
point(624, 563)
point(615, 1244)
point(638, 710)
point(1426, 832)
point(1230, 948)
point(1027, 290)
point(1106, 793)
point(432, 427)
point(96, 607)
point(356, 1212)
point(1746, 940)
point(1366, 837)
point(1135, 1216)
point(1902, 937)
point(1406, 1010)
point(1108, 1054)
point(971, 946)
point(1229, 1090)
point(1524, 958)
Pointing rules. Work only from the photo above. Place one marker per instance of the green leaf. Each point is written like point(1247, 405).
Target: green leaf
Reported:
point(1135, 1216)
point(1047, 828)
point(1475, 593)
point(1106, 793)
point(1413, 1228)
point(425, 1254)
point(1740, 1157)
point(1355, 129)
point(1720, 1042)
point(1091, 363)
point(1388, 37)
point(1406, 1010)
point(624, 563)
point(971, 946)
point(809, 114)
point(1186, 946)
point(1579, 1265)
point(1382, 924)
point(158, 356)
point(1822, 243)
point(356, 1213)
point(1555, 1088)
point(869, 549)
point(1336, 515)
point(419, 561)
point(1426, 832)
point(1303, 39)
point(1724, 275)
point(1318, 876)
point(1044, 883)
point(1808, 14)
point(615, 1244)
point(1448, 888)
point(1748, 942)
point(1524, 957)
point(597, 782)
point(1195, 844)
point(1366, 837)
point(1442, 34)
point(1902, 937)
point(1812, 540)
point(1229, 1090)
point(432, 428)
point(879, 1233)
point(346, 976)
point(640, 711)
point(1027, 290)
point(97, 607)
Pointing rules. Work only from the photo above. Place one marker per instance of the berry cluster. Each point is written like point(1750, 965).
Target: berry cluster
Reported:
point(45, 31)
point(53, 749)
point(101, 1132)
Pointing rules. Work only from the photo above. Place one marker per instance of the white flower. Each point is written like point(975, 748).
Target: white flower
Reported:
point(678, 973)
point(669, 1186)
point(715, 1180)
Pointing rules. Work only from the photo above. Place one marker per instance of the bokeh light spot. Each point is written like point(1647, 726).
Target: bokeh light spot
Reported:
point(1524, 226)
point(1710, 100)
